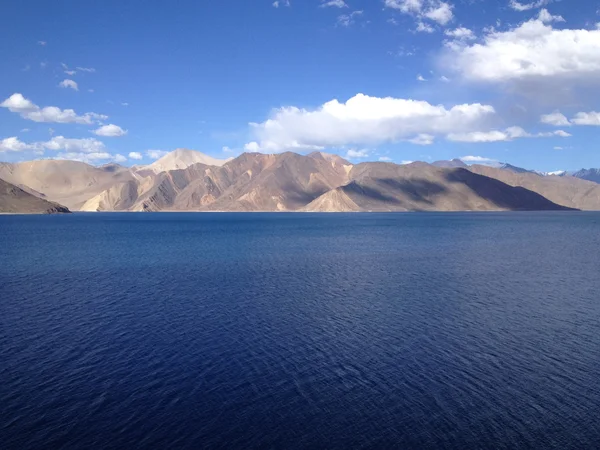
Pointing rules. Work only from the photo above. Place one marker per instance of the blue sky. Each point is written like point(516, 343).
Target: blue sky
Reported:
point(397, 80)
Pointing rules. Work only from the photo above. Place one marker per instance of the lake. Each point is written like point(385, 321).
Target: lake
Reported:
point(410, 330)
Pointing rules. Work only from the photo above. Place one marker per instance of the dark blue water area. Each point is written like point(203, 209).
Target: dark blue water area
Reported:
point(466, 330)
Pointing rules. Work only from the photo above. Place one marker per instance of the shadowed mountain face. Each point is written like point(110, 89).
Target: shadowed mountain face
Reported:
point(567, 191)
point(423, 187)
point(15, 200)
point(293, 182)
point(588, 174)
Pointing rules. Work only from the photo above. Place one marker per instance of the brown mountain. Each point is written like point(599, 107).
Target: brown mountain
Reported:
point(250, 182)
point(423, 187)
point(293, 182)
point(15, 200)
point(567, 191)
point(69, 183)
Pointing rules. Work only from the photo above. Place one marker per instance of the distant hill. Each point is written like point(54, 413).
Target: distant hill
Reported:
point(15, 200)
point(424, 187)
point(293, 182)
point(588, 174)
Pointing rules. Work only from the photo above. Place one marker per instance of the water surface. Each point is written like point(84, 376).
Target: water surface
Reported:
point(300, 330)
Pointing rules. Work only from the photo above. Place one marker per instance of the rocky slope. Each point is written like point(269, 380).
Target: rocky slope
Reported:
point(567, 191)
point(15, 200)
point(424, 187)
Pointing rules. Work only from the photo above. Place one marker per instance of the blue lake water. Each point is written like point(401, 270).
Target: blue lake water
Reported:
point(292, 331)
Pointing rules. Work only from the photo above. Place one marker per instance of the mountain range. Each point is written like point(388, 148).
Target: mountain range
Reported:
point(186, 180)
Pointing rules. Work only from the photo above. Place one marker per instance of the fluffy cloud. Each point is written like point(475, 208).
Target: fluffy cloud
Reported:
point(385, 159)
point(346, 20)
point(278, 3)
point(581, 118)
point(13, 144)
point(135, 155)
point(532, 51)
point(69, 84)
point(497, 136)
point(517, 6)
point(120, 158)
point(587, 118)
point(57, 143)
point(89, 158)
point(356, 154)
point(435, 10)
point(422, 139)
point(556, 118)
point(16, 103)
point(423, 27)
point(110, 131)
point(334, 3)
point(478, 160)
point(88, 145)
point(364, 120)
point(156, 154)
point(460, 33)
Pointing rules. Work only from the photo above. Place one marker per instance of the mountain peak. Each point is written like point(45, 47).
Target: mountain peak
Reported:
point(182, 158)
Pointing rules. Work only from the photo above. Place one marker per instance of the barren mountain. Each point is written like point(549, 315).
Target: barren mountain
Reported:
point(69, 183)
point(15, 200)
point(423, 187)
point(181, 159)
point(251, 182)
point(567, 191)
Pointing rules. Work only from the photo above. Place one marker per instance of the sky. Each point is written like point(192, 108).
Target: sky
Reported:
point(389, 80)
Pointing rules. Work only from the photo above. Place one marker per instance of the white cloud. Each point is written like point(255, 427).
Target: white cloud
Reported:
point(558, 148)
point(545, 17)
point(124, 104)
point(16, 103)
point(110, 130)
point(42, 43)
point(13, 144)
point(57, 143)
point(420, 78)
point(87, 145)
point(226, 149)
point(445, 79)
point(120, 158)
point(278, 3)
point(385, 159)
point(86, 69)
point(405, 162)
point(70, 72)
point(423, 27)
point(478, 159)
point(363, 120)
point(587, 118)
point(89, 158)
point(422, 139)
point(69, 84)
point(517, 6)
point(156, 154)
point(346, 20)
point(135, 155)
point(356, 154)
point(460, 33)
point(497, 136)
point(435, 10)
point(441, 13)
point(333, 3)
point(556, 118)
point(532, 51)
